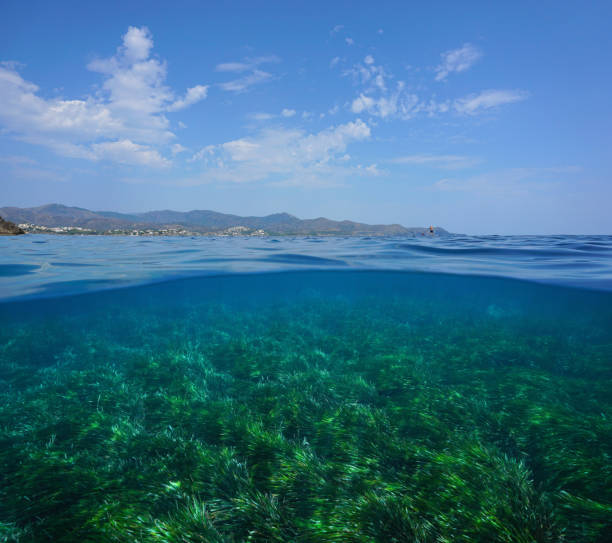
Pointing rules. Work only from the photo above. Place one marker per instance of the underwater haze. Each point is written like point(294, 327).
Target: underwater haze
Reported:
point(431, 390)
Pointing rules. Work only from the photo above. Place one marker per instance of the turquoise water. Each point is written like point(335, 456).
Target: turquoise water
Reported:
point(237, 390)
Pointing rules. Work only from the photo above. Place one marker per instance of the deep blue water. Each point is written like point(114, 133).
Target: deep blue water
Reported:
point(47, 265)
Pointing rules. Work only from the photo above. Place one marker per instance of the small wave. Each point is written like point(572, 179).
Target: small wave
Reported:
point(217, 260)
point(431, 249)
point(292, 258)
point(588, 247)
point(15, 270)
point(179, 251)
point(74, 264)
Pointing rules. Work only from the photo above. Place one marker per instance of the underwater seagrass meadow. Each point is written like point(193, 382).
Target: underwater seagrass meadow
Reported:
point(317, 406)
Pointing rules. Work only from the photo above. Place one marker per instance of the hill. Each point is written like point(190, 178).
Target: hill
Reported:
point(198, 221)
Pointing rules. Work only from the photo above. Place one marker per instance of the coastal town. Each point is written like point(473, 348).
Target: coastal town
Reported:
point(233, 231)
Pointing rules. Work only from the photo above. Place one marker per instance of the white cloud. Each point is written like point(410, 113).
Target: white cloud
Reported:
point(369, 74)
point(261, 116)
point(475, 103)
point(399, 103)
point(405, 105)
point(137, 43)
point(123, 122)
point(349, 41)
point(378, 100)
point(178, 148)
point(374, 171)
point(128, 152)
point(457, 60)
point(192, 96)
point(242, 84)
point(247, 64)
point(16, 159)
point(203, 153)
point(284, 156)
point(336, 29)
point(362, 103)
point(254, 77)
point(334, 61)
point(234, 67)
point(447, 162)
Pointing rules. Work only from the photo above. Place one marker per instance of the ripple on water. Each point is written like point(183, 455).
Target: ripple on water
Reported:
point(15, 270)
point(292, 258)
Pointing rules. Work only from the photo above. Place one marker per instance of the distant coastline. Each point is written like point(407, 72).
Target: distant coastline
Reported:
point(66, 220)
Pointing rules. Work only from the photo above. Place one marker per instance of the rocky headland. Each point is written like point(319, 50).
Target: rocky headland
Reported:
point(8, 228)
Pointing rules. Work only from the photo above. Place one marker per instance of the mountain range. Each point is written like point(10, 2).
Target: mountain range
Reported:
point(199, 221)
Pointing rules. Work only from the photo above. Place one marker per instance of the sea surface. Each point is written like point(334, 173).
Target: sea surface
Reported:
point(306, 389)
point(42, 265)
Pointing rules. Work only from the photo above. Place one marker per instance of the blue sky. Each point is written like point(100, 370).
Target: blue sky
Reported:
point(482, 117)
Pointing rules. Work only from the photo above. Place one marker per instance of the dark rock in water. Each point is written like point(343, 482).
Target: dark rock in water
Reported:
point(9, 229)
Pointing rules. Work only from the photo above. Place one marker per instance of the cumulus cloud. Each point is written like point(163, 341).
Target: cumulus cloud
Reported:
point(123, 122)
point(457, 60)
point(476, 103)
point(288, 112)
point(137, 43)
point(284, 156)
